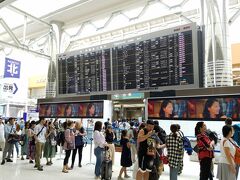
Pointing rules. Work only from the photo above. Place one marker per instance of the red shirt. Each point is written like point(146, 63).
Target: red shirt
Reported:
point(203, 143)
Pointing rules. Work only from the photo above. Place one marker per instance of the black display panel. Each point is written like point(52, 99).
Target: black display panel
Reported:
point(161, 60)
point(152, 63)
point(84, 72)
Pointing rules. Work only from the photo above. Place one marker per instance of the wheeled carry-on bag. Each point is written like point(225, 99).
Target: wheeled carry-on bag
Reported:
point(106, 168)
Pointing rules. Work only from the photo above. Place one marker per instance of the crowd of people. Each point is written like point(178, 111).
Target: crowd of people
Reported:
point(143, 145)
point(39, 139)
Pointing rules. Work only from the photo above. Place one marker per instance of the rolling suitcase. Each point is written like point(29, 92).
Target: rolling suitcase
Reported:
point(106, 168)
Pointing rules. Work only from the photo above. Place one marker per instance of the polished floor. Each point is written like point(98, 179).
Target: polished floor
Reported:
point(22, 170)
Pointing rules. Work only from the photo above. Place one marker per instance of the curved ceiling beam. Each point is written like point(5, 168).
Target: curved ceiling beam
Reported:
point(19, 11)
point(9, 31)
point(5, 3)
point(25, 49)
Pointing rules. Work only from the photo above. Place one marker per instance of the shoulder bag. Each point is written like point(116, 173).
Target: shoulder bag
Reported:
point(237, 153)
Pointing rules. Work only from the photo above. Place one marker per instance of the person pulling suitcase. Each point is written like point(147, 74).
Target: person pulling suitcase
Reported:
point(106, 167)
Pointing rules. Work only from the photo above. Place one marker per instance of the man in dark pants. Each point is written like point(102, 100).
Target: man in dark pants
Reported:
point(8, 129)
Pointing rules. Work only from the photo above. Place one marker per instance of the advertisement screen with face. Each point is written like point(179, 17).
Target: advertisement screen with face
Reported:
point(205, 108)
point(72, 110)
point(47, 110)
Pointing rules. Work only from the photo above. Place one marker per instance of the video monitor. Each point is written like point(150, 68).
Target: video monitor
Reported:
point(72, 110)
point(47, 110)
point(190, 108)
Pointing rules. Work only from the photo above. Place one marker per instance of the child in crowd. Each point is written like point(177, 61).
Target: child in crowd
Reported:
point(126, 160)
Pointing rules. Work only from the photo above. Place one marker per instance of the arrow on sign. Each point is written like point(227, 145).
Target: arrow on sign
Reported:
point(16, 88)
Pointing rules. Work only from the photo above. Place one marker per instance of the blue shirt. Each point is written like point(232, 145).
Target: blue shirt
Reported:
point(9, 129)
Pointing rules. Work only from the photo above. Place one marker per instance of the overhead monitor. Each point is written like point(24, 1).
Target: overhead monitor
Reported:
point(72, 110)
point(195, 108)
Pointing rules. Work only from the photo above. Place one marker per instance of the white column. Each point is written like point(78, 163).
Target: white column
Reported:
point(218, 63)
point(55, 44)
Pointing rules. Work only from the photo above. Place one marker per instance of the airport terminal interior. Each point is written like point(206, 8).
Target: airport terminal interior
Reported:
point(129, 89)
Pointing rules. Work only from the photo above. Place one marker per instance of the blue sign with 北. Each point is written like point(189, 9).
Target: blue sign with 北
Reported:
point(12, 68)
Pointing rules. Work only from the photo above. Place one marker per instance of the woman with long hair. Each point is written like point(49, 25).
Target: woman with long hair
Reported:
point(69, 144)
point(50, 144)
point(68, 110)
point(126, 160)
point(109, 137)
point(90, 110)
point(79, 143)
point(212, 109)
point(174, 144)
point(31, 144)
point(166, 110)
point(205, 153)
point(99, 144)
point(24, 144)
point(18, 132)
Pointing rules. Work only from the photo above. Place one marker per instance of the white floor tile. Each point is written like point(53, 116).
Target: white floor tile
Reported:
point(22, 170)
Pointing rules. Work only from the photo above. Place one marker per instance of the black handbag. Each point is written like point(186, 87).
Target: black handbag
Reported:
point(13, 138)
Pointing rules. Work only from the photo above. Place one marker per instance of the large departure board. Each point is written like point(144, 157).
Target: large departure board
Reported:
point(84, 72)
point(155, 62)
point(160, 60)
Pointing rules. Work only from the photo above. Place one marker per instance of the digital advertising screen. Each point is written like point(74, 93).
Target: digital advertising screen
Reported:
point(72, 110)
point(190, 108)
point(47, 110)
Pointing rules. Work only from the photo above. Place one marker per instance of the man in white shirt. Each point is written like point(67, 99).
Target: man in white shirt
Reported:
point(2, 138)
point(40, 138)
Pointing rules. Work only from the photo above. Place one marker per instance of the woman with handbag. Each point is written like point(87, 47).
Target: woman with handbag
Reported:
point(110, 136)
point(31, 142)
point(50, 145)
point(69, 144)
point(24, 140)
point(79, 143)
point(99, 144)
point(16, 144)
point(205, 151)
point(226, 164)
point(174, 144)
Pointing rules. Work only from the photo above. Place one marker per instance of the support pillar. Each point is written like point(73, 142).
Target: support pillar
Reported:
point(55, 44)
point(218, 63)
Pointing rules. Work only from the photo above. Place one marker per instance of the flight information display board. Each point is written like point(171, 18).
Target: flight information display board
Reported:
point(84, 72)
point(160, 60)
point(156, 62)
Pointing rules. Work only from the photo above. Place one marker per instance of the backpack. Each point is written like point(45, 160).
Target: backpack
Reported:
point(162, 135)
point(236, 136)
point(60, 138)
point(186, 143)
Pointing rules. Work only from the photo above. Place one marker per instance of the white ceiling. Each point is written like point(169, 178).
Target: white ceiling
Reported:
point(69, 12)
